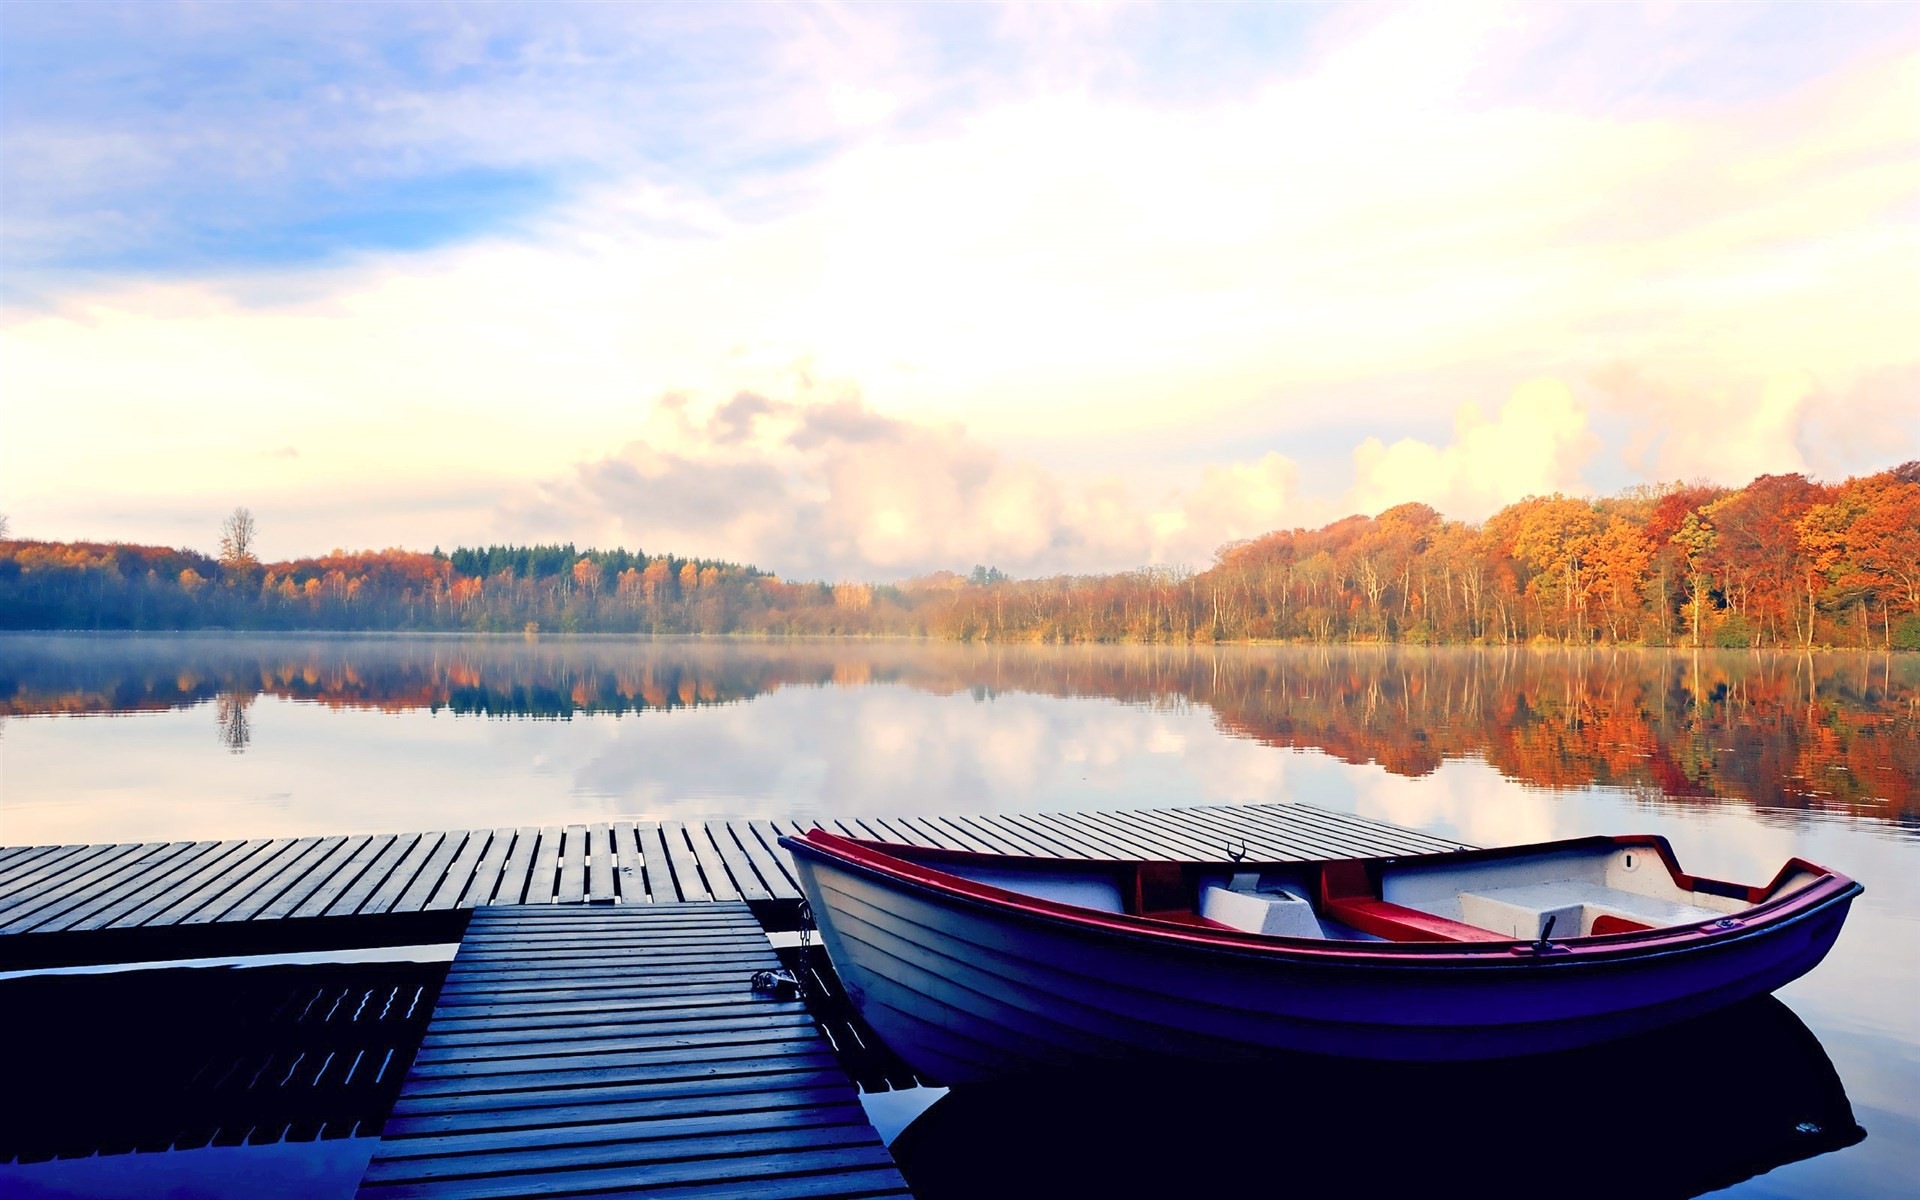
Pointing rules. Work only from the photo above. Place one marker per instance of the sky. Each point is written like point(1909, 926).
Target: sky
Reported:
point(866, 291)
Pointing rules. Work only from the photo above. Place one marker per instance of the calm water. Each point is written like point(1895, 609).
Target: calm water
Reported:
point(1742, 760)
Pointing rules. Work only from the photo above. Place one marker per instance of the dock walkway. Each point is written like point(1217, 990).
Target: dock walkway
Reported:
point(97, 903)
point(578, 1050)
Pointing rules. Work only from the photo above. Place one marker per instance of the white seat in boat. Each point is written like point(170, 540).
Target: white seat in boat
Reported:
point(1273, 912)
point(1521, 910)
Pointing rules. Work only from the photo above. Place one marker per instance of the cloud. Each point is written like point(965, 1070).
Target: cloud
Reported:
point(1536, 444)
point(1116, 274)
point(824, 486)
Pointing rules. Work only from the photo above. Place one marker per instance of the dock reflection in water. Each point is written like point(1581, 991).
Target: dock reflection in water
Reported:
point(207, 1081)
point(1687, 1110)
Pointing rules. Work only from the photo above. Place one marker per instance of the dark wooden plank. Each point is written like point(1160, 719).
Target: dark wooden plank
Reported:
point(200, 866)
point(32, 884)
point(1304, 835)
point(31, 867)
point(739, 1076)
point(893, 829)
point(168, 907)
point(458, 877)
point(476, 1106)
point(713, 870)
point(1159, 841)
point(600, 887)
point(250, 885)
point(632, 1130)
point(78, 889)
point(377, 875)
point(341, 859)
point(490, 872)
point(630, 874)
point(546, 867)
point(174, 864)
point(1011, 841)
point(687, 877)
point(405, 872)
point(1110, 843)
point(611, 990)
point(661, 880)
point(367, 866)
point(428, 879)
point(1420, 837)
point(698, 1098)
point(776, 874)
point(9, 853)
point(775, 1158)
point(520, 1048)
point(1262, 841)
point(463, 1019)
point(286, 877)
point(515, 875)
point(1048, 843)
point(573, 866)
point(713, 843)
point(530, 1079)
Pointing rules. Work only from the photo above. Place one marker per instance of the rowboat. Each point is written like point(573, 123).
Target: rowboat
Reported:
point(974, 966)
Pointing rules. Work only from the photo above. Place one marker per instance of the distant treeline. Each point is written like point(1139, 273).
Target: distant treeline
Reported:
point(1783, 561)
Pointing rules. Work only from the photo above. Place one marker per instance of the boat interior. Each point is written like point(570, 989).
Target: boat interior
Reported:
point(1592, 887)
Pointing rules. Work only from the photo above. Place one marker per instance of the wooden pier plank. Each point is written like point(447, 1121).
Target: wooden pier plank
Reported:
point(708, 1093)
point(30, 909)
point(33, 867)
point(600, 887)
point(519, 869)
point(73, 889)
point(341, 858)
point(351, 898)
point(776, 875)
point(431, 876)
point(271, 887)
point(663, 879)
point(546, 867)
point(732, 859)
point(573, 866)
point(173, 865)
point(390, 889)
point(688, 879)
point(630, 875)
point(176, 905)
point(366, 861)
point(447, 886)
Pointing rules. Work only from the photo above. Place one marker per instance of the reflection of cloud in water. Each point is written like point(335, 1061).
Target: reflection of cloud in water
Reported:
point(885, 750)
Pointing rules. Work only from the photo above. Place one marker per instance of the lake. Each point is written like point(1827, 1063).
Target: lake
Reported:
point(1743, 760)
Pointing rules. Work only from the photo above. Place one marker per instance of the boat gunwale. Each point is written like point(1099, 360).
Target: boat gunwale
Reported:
point(1763, 919)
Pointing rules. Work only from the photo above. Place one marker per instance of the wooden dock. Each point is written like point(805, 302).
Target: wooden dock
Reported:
point(578, 1050)
point(101, 903)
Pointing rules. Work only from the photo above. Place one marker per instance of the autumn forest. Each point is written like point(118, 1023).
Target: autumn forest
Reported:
point(1785, 561)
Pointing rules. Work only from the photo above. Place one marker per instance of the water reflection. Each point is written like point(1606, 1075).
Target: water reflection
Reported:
point(231, 713)
point(1831, 732)
point(1688, 1110)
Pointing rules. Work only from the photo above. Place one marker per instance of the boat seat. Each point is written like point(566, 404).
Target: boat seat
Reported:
point(1347, 895)
point(1521, 910)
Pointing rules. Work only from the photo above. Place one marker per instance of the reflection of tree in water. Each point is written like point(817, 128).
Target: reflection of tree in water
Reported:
point(1839, 732)
point(231, 712)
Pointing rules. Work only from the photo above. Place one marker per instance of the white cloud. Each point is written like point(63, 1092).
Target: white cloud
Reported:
point(1100, 281)
point(1537, 444)
point(826, 487)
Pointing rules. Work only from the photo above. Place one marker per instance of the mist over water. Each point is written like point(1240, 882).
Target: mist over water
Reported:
point(1742, 759)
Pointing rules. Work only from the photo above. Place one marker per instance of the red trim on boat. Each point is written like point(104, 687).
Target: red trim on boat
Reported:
point(898, 862)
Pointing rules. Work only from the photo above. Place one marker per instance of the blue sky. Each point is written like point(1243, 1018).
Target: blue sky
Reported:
point(1155, 275)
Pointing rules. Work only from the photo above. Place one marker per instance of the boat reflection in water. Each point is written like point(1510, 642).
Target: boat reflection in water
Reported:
point(1688, 1109)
